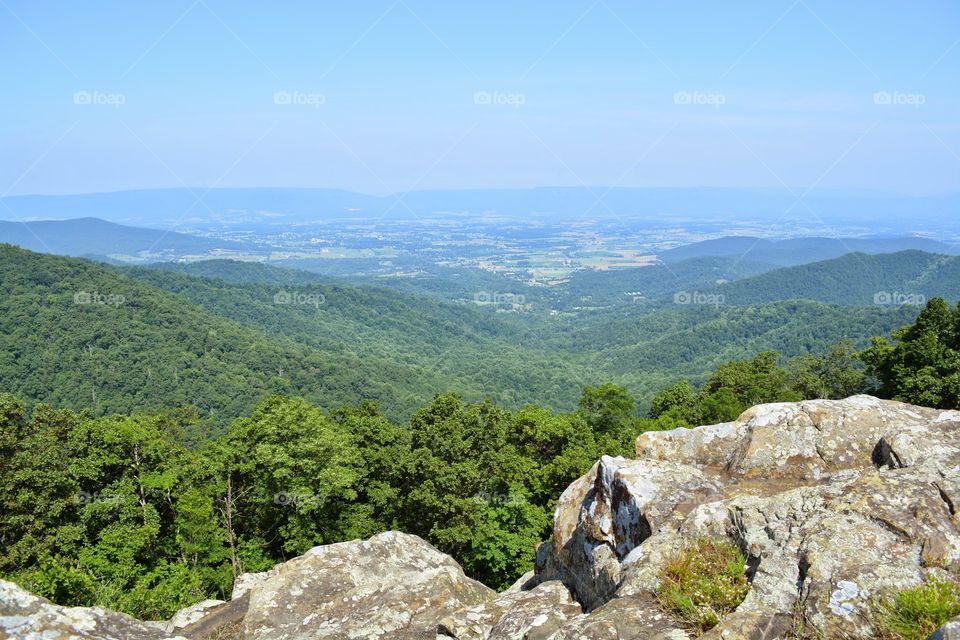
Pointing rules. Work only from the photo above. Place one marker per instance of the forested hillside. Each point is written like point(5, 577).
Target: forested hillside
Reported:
point(148, 339)
point(78, 334)
point(857, 279)
point(634, 286)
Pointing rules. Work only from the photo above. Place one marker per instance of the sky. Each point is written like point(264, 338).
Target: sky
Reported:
point(388, 96)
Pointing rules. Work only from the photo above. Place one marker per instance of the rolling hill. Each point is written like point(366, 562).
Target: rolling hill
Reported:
point(590, 288)
point(149, 339)
point(856, 279)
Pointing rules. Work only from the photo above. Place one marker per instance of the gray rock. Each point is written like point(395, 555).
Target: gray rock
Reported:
point(246, 581)
point(24, 615)
point(517, 615)
point(626, 618)
point(526, 582)
point(222, 622)
point(627, 502)
point(949, 631)
point(188, 615)
point(390, 586)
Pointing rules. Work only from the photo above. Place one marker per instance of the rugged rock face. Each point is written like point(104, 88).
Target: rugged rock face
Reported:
point(832, 502)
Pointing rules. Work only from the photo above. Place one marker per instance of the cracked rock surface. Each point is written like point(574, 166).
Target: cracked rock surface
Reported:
point(833, 503)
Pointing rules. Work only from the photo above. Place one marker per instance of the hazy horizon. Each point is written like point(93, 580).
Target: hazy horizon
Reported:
point(853, 191)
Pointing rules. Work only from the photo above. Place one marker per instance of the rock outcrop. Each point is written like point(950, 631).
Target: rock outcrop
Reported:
point(390, 586)
point(834, 504)
point(24, 615)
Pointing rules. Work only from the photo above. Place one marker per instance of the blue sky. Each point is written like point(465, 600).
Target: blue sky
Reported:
point(388, 96)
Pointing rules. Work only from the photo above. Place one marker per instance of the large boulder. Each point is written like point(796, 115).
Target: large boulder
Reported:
point(391, 586)
point(24, 615)
point(833, 503)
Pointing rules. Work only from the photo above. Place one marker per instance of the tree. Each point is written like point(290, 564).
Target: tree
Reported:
point(680, 396)
point(835, 374)
point(607, 408)
point(922, 366)
point(293, 468)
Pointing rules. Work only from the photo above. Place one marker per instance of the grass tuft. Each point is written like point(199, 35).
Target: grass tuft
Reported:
point(703, 583)
point(915, 613)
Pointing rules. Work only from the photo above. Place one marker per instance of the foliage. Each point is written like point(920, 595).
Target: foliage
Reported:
point(703, 583)
point(731, 389)
point(120, 510)
point(834, 374)
point(923, 365)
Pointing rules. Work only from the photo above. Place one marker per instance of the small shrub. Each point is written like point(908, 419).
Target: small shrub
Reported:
point(704, 583)
point(917, 612)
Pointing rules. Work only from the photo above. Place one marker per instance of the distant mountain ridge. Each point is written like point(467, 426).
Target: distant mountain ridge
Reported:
point(796, 251)
point(96, 237)
point(164, 206)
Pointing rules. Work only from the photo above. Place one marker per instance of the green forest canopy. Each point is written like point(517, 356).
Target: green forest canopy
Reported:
point(154, 340)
